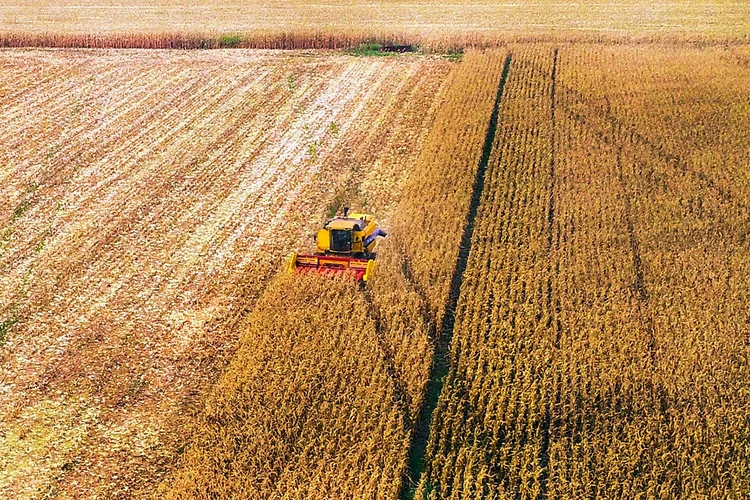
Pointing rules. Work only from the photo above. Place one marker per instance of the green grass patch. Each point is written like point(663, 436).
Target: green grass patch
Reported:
point(43, 240)
point(333, 208)
point(5, 327)
point(455, 54)
point(366, 49)
point(381, 49)
point(312, 151)
point(230, 41)
point(5, 236)
point(40, 246)
point(20, 209)
point(135, 387)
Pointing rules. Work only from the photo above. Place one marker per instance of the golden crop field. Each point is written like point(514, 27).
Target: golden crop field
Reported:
point(559, 309)
point(601, 342)
point(147, 196)
point(585, 358)
point(320, 400)
point(301, 23)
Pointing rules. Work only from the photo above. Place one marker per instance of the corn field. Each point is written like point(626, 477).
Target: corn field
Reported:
point(564, 378)
point(304, 24)
point(559, 310)
point(601, 340)
point(342, 428)
point(306, 409)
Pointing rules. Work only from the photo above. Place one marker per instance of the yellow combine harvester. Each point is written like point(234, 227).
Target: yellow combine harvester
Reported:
point(345, 245)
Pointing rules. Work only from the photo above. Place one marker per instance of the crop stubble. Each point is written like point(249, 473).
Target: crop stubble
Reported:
point(146, 198)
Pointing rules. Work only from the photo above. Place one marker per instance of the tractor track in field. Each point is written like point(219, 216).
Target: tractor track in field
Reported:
point(399, 385)
point(403, 398)
point(639, 282)
point(440, 361)
point(620, 133)
point(623, 131)
point(642, 297)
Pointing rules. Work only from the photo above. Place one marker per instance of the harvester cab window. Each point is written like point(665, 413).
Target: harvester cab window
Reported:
point(341, 240)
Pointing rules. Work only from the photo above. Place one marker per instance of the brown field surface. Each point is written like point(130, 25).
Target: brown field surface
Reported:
point(427, 20)
point(146, 197)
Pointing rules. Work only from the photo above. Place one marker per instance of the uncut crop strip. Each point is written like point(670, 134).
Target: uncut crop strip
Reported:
point(112, 255)
point(624, 372)
point(488, 431)
point(412, 286)
point(690, 219)
point(440, 366)
point(645, 397)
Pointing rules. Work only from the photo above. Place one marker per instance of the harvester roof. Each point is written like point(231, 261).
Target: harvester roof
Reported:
point(349, 224)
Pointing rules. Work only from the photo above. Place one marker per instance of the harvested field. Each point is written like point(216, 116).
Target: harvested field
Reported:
point(146, 197)
point(329, 24)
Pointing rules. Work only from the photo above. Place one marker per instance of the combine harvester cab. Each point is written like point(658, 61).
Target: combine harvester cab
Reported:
point(345, 246)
